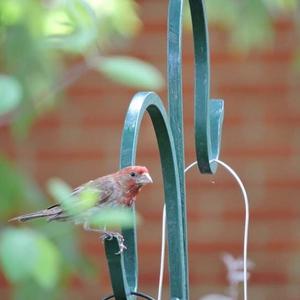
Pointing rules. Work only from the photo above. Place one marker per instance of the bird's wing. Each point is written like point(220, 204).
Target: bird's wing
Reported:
point(105, 188)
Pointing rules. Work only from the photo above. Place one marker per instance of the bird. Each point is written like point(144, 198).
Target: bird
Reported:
point(118, 189)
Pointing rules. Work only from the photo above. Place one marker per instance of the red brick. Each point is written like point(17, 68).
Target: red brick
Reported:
point(68, 155)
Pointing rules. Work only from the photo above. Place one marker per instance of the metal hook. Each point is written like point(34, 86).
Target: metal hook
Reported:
point(209, 114)
point(169, 134)
point(139, 294)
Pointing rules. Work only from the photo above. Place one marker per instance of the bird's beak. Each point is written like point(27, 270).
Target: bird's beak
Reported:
point(145, 178)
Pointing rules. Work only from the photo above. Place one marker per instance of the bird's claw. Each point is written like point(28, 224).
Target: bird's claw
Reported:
point(118, 236)
point(122, 248)
point(106, 235)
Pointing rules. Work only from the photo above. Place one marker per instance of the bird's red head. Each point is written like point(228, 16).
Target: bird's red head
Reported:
point(132, 179)
point(136, 175)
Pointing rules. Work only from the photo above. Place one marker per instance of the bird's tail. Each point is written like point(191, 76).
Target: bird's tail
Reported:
point(51, 213)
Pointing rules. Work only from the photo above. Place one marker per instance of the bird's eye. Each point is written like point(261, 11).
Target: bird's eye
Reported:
point(132, 174)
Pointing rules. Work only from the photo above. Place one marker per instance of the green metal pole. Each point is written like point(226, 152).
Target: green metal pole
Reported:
point(169, 134)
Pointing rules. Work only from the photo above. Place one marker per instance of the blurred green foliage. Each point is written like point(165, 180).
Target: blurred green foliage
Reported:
point(249, 22)
point(113, 217)
point(17, 191)
point(39, 40)
point(37, 36)
point(40, 259)
point(125, 70)
point(25, 253)
point(10, 94)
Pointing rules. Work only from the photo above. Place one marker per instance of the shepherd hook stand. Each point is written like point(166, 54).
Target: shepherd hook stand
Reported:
point(169, 134)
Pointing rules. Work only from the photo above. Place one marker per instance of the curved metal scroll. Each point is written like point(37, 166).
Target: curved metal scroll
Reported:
point(169, 134)
point(208, 114)
point(124, 279)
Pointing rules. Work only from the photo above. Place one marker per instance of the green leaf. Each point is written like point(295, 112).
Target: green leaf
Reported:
point(112, 217)
point(129, 71)
point(26, 254)
point(10, 94)
point(110, 23)
point(11, 187)
point(11, 11)
point(57, 23)
point(17, 191)
point(88, 198)
point(255, 28)
point(75, 43)
point(228, 16)
point(73, 204)
point(29, 289)
point(46, 268)
point(18, 253)
point(59, 190)
point(72, 27)
point(63, 234)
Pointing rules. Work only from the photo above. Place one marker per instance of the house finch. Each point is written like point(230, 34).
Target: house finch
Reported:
point(115, 190)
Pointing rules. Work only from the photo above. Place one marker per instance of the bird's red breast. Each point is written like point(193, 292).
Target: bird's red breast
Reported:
point(133, 178)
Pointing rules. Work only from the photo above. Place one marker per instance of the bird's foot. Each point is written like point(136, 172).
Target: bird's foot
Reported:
point(110, 235)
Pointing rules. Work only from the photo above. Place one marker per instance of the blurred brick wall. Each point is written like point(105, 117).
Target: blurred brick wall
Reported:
point(260, 140)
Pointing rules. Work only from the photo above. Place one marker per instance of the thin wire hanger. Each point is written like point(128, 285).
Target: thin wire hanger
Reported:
point(246, 231)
